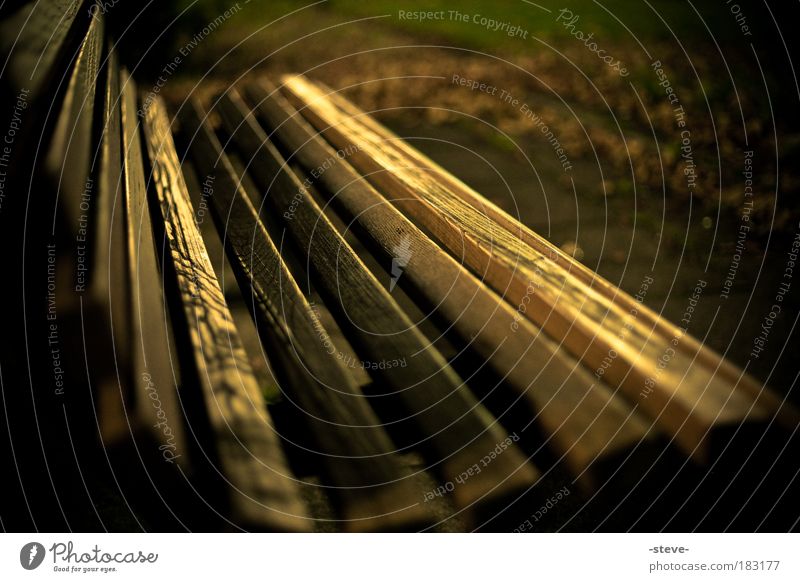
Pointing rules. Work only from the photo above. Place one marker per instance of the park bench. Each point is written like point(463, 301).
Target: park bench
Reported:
point(265, 311)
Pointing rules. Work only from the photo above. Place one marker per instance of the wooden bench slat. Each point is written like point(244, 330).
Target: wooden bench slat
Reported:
point(35, 38)
point(83, 165)
point(39, 271)
point(70, 155)
point(261, 490)
point(688, 397)
point(583, 418)
point(660, 325)
point(107, 286)
point(153, 379)
point(457, 431)
point(787, 414)
point(357, 454)
point(107, 282)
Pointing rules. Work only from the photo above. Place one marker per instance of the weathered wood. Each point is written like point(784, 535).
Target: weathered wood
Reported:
point(456, 431)
point(688, 397)
point(583, 419)
point(40, 43)
point(39, 404)
point(70, 155)
point(369, 483)
point(661, 326)
point(107, 281)
point(82, 164)
point(259, 485)
point(152, 395)
point(107, 285)
point(35, 38)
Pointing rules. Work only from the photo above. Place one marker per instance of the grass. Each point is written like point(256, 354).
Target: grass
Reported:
point(618, 22)
point(539, 19)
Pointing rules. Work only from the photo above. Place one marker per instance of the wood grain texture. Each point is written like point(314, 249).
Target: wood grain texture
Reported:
point(71, 153)
point(786, 414)
point(454, 429)
point(107, 286)
point(40, 44)
point(690, 397)
point(261, 491)
point(369, 483)
point(154, 377)
point(585, 421)
point(107, 283)
point(660, 325)
point(82, 164)
point(36, 37)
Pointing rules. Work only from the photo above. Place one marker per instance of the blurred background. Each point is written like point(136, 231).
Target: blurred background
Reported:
point(620, 194)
